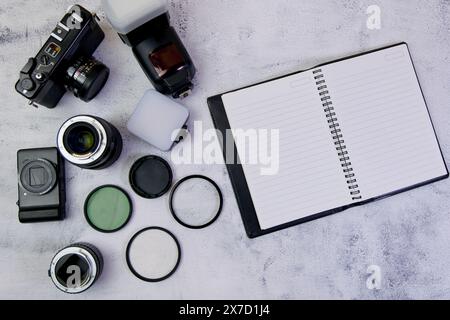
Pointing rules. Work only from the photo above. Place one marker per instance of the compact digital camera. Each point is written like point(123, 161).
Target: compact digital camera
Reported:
point(65, 62)
point(41, 176)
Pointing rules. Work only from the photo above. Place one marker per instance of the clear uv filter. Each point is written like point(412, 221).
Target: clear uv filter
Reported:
point(108, 208)
point(196, 202)
point(153, 254)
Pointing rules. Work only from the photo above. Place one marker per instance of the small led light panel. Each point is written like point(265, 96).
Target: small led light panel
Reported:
point(158, 120)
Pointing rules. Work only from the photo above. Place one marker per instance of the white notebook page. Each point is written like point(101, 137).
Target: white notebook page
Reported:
point(310, 179)
point(385, 122)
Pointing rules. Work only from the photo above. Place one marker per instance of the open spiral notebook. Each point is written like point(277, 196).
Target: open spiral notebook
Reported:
point(351, 131)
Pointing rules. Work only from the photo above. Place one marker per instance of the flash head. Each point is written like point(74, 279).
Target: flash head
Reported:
point(126, 17)
point(144, 25)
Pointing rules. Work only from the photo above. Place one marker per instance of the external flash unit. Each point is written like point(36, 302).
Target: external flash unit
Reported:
point(144, 25)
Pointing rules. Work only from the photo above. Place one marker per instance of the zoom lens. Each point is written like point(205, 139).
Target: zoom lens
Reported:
point(89, 142)
point(86, 78)
point(76, 268)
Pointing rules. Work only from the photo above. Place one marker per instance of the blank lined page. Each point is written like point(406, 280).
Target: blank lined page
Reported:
point(385, 122)
point(310, 178)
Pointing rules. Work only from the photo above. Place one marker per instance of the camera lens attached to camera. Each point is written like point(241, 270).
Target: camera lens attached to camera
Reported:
point(38, 176)
point(86, 78)
point(89, 142)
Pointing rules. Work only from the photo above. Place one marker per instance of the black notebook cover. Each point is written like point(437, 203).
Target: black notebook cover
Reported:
point(237, 176)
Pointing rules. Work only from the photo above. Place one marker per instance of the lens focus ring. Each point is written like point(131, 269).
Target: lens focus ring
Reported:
point(86, 78)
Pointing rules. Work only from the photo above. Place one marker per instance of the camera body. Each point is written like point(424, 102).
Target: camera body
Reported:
point(145, 26)
point(41, 178)
point(65, 62)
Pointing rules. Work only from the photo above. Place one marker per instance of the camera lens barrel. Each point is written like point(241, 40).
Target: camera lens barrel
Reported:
point(89, 142)
point(76, 268)
point(86, 78)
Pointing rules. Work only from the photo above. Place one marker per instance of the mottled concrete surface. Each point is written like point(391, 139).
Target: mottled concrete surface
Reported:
point(233, 43)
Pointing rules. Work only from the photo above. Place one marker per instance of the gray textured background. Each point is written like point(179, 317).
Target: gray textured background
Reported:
point(233, 43)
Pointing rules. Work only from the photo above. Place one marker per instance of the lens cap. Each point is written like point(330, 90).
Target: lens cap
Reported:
point(108, 209)
point(196, 202)
point(153, 254)
point(151, 177)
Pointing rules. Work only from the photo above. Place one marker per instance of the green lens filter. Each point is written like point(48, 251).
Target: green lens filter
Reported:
point(108, 209)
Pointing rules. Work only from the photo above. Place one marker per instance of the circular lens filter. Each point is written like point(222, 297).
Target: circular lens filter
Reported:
point(196, 202)
point(151, 177)
point(153, 254)
point(108, 209)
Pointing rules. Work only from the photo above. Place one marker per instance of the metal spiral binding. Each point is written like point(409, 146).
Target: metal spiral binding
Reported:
point(336, 133)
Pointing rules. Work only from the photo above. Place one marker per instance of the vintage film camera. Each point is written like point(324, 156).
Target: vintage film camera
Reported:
point(65, 62)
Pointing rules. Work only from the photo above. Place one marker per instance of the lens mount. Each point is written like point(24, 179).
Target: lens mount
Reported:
point(83, 254)
point(97, 151)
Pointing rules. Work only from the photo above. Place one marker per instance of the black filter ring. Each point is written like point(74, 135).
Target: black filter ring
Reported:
point(130, 265)
point(135, 185)
point(174, 189)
